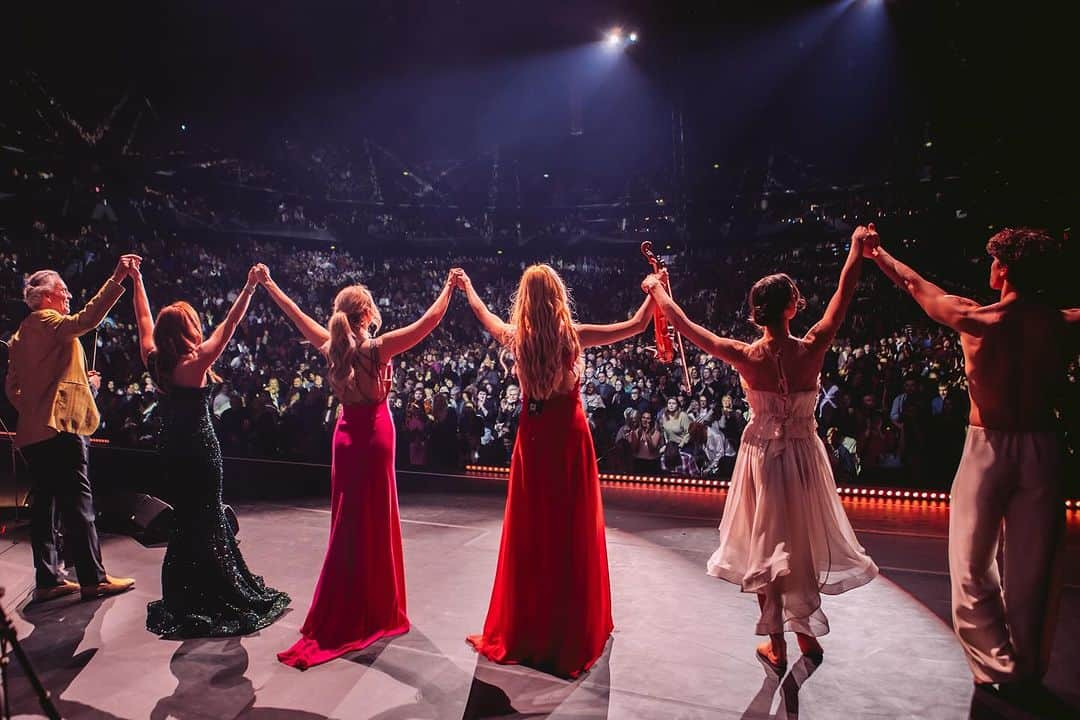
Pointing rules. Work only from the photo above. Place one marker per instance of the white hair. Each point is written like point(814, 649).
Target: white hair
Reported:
point(38, 286)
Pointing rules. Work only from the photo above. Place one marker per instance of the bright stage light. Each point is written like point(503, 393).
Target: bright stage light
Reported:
point(617, 39)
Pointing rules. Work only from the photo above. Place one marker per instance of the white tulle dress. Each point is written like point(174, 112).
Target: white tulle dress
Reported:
point(784, 534)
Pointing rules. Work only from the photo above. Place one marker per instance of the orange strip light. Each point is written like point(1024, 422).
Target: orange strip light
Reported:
point(903, 494)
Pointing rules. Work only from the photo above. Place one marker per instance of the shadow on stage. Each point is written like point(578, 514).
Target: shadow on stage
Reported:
point(209, 671)
point(211, 683)
point(493, 690)
point(59, 629)
point(760, 707)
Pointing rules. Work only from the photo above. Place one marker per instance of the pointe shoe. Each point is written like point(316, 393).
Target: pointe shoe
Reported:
point(111, 586)
point(50, 593)
point(779, 667)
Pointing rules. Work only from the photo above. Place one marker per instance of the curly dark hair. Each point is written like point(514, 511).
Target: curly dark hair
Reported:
point(1033, 257)
point(770, 296)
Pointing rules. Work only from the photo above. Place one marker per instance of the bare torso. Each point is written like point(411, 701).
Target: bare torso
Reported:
point(1015, 360)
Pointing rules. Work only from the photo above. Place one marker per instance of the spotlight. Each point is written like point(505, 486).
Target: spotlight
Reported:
point(617, 39)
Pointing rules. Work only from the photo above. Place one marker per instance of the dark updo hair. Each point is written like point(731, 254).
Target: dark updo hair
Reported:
point(770, 297)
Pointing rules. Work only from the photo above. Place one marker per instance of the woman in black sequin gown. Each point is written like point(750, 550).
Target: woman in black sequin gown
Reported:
point(207, 588)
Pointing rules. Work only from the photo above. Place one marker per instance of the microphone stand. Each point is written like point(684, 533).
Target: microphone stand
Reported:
point(9, 647)
point(14, 467)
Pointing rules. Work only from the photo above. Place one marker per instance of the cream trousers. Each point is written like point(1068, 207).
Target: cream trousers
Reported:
point(1008, 486)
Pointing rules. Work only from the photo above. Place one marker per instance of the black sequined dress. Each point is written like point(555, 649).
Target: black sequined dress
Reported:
point(207, 588)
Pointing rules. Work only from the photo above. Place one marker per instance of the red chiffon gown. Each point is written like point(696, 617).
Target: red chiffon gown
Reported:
point(360, 596)
point(551, 605)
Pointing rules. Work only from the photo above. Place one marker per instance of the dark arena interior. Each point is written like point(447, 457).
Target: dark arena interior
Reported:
point(266, 475)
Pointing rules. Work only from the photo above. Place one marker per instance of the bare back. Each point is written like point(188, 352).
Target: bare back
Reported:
point(568, 378)
point(1015, 359)
point(799, 361)
point(189, 372)
point(371, 376)
point(567, 385)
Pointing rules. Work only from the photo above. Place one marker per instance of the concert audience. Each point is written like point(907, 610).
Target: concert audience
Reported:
point(892, 404)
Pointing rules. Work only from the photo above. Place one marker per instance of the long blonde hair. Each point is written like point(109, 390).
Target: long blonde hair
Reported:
point(355, 313)
point(544, 342)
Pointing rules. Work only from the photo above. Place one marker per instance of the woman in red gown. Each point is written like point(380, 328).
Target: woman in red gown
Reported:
point(360, 595)
point(551, 605)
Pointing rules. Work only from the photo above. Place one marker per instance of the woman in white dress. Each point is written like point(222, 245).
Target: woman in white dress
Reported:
point(784, 535)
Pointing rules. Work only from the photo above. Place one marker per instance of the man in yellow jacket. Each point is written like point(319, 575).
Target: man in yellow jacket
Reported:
point(49, 386)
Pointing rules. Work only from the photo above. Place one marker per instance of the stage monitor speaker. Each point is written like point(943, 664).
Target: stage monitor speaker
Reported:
point(145, 517)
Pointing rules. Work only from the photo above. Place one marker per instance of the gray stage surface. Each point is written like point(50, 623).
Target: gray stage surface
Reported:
point(683, 645)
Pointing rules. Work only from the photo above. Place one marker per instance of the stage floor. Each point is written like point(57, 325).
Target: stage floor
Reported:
point(683, 645)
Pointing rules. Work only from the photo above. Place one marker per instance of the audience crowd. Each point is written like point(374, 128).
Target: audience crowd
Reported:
point(892, 406)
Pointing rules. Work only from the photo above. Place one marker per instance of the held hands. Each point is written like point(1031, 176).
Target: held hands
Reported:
point(458, 279)
point(872, 243)
point(127, 266)
point(252, 278)
point(262, 274)
point(94, 378)
point(866, 240)
point(654, 280)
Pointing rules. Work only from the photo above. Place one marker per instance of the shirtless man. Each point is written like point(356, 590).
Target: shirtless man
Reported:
point(1011, 472)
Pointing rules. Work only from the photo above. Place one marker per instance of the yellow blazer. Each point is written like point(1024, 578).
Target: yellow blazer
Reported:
point(46, 380)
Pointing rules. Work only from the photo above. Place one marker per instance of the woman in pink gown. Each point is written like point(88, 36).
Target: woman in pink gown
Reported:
point(784, 535)
point(551, 605)
point(360, 595)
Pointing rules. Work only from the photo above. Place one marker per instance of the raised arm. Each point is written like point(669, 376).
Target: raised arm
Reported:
point(491, 322)
point(312, 331)
point(398, 341)
point(144, 319)
point(214, 345)
point(949, 310)
point(730, 351)
point(82, 322)
point(592, 335)
point(823, 332)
